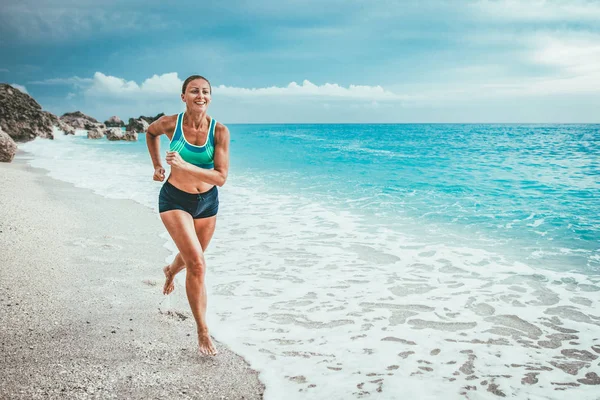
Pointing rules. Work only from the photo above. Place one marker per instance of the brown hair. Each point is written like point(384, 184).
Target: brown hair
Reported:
point(191, 78)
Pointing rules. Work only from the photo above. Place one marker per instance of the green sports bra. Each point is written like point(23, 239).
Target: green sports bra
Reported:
point(200, 156)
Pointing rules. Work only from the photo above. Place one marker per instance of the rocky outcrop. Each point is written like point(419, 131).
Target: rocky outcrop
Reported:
point(137, 125)
point(68, 130)
point(79, 120)
point(114, 122)
point(150, 120)
point(21, 117)
point(130, 136)
point(8, 147)
point(95, 133)
point(118, 134)
point(141, 124)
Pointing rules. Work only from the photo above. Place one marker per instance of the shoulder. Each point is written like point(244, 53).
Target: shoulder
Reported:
point(221, 132)
point(168, 122)
point(165, 124)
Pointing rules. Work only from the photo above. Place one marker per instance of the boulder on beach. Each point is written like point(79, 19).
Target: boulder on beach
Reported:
point(21, 117)
point(142, 123)
point(8, 147)
point(79, 120)
point(150, 120)
point(137, 125)
point(118, 134)
point(114, 122)
point(68, 130)
point(95, 133)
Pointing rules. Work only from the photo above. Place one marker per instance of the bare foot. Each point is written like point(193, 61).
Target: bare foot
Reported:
point(207, 348)
point(169, 285)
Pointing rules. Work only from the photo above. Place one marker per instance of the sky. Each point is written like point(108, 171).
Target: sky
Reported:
point(310, 61)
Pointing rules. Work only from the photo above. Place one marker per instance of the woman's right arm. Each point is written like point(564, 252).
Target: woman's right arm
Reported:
point(157, 128)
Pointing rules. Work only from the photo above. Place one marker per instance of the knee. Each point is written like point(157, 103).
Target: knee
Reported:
point(196, 266)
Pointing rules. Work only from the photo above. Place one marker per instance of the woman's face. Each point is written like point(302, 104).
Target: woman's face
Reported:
point(197, 95)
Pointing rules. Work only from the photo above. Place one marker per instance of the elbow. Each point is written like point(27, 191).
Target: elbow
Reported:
point(222, 179)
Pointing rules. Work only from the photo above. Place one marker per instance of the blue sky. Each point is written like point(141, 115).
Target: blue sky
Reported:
point(311, 61)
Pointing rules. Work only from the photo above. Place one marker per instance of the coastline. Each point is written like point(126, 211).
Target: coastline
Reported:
point(325, 306)
point(83, 314)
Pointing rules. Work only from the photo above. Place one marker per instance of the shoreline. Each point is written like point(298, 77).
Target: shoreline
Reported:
point(355, 312)
point(83, 310)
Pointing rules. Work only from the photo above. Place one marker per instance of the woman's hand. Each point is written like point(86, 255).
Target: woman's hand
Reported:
point(175, 160)
point(159, 174)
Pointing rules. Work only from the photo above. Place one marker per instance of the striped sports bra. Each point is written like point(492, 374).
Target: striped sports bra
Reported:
point(200, 156)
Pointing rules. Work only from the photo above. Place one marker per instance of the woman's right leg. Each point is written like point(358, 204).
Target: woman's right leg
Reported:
point(170, 271)
point(180, 226)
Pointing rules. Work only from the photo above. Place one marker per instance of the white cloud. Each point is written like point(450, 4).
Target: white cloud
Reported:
point(540, 10)
point(70, 95)
point(575, 53)
point(166, 83)
point(170, 84)
point(20, 87)
point(575, 56)
point(75, 81)
point(309, 89)
point(543, 62)
point(106, 85)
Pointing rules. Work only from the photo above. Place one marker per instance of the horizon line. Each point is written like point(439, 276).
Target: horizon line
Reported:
point(413, 123)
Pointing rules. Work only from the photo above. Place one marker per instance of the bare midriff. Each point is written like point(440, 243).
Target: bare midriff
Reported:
point(183, 180)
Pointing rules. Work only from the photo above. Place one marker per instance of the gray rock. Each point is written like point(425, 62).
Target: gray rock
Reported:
point(68, 130)
point(79, 120)
point(150, 120)
point(95, 133)
point(118, 134)
point(8, 147)
point(114, 122)
point(137, 125)
point(21, 117)
point(114, 134)
point(91, 125)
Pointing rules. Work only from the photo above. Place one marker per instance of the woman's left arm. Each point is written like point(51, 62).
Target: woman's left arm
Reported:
point(216, 176)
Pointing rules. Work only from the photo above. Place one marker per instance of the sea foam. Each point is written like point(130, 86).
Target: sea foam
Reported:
point(328, 303)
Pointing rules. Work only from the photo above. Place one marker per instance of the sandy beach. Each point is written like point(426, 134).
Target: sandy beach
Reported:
point(82, 310)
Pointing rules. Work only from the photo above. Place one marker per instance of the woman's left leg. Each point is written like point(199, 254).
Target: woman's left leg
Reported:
point(180, 226)
point(205, 228)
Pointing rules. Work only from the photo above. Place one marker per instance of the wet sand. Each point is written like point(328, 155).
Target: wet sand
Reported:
point(82, 312)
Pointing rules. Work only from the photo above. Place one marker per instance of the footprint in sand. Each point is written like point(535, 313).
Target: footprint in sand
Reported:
point(175, 314)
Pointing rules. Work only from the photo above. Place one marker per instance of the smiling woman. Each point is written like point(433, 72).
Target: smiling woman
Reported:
point(188, 201)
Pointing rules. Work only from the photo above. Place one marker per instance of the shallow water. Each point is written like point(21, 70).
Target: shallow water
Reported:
point(390, 261)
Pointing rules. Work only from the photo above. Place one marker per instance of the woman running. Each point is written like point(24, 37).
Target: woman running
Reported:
point(188, 201)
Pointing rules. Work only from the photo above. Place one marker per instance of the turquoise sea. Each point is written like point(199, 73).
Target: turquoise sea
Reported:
point(531, 190)
point(393, 260)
